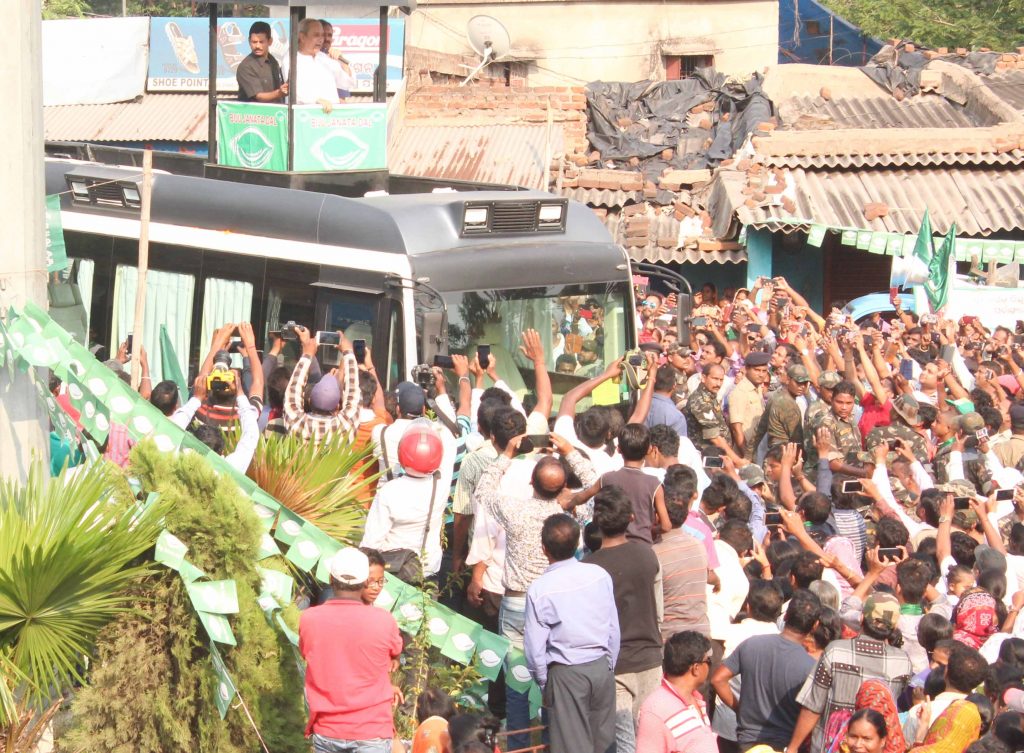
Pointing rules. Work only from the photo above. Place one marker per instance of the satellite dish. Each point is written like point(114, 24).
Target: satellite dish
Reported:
point(490, 39)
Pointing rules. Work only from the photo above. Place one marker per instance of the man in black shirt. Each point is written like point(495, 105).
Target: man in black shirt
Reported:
point(636, 581)
point(259, 75)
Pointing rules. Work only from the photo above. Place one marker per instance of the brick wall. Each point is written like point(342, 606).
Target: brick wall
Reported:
point(493, 101)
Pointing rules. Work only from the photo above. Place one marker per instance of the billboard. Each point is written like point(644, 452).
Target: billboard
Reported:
point(255, 136)
point(179, 50)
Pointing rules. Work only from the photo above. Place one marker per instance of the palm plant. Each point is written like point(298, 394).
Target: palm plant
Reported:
point(68, 553)
point(327, 484)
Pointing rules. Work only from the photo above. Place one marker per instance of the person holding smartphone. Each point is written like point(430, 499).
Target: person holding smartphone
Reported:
point(334, 401)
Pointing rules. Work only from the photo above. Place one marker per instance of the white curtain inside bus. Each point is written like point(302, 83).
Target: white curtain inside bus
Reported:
point(169, 300)
point(224, 301)
point(86, 270)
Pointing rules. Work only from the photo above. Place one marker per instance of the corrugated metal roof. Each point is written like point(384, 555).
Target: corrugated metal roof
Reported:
point(603, 197)
point(1012, 157)
point(981, 201)
point(152, 117)
point(1009, 87)
point(508, 154)
point(853, 147)
point(924, 111)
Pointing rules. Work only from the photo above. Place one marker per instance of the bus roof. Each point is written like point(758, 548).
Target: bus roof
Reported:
point(411, 224)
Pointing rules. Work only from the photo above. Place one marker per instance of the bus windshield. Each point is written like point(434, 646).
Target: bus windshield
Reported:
point(583, 328)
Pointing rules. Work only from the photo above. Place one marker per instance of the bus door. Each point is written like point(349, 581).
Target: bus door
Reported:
point(375, 318)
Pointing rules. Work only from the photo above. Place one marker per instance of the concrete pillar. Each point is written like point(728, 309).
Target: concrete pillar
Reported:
point(759, 255)
point(23, 426)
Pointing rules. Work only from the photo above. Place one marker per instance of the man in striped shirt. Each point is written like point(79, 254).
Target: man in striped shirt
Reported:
point(674, 718)
point(334, 402)
point(684, 566)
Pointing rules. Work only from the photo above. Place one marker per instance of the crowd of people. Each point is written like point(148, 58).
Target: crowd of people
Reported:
point(806, 533)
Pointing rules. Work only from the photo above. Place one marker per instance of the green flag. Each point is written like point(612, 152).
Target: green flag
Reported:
point(923, 247)
point(170, 364)
point(225, 691)
point(938, 284)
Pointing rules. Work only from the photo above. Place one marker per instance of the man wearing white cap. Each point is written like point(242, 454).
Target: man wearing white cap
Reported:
point(348, 647)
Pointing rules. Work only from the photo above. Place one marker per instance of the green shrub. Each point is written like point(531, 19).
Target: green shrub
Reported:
point(151, 686)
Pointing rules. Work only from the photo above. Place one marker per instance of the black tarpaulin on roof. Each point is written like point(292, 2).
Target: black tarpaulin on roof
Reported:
point(658, 120)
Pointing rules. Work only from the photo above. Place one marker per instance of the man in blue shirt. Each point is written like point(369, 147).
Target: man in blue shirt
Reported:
point(571, 643)
point(663, 408)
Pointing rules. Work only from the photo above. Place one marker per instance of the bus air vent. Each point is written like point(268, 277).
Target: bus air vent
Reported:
point(107, 194)
point(514, 217)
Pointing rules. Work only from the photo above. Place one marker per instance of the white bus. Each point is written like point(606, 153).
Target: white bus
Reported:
point(414, 275)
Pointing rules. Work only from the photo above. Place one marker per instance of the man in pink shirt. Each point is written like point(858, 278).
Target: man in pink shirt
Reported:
point(674, 718)
point(348, 647)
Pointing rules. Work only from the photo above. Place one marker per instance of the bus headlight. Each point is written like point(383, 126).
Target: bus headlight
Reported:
point(475, 219)
point(551, 216)
point(79, 189)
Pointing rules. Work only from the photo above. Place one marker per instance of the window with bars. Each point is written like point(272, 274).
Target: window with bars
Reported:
point(684, 66)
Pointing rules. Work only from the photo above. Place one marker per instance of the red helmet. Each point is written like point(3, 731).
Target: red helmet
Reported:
point(420, 450)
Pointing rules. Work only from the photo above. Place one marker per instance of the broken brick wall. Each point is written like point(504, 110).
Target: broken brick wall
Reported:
point(436, 95)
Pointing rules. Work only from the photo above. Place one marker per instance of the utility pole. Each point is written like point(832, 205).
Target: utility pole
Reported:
point(23, 260)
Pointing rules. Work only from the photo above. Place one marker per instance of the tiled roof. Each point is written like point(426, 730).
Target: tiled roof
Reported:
point(508, 154)
point(980, 200)
point(152, 117)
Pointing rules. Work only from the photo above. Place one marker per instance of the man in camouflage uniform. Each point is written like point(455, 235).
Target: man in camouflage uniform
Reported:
point(705, 422)
point(816, 412)
point(904, 418)
point(782, 419)
point(681, 357)
point(963, 427)
point(844, 435)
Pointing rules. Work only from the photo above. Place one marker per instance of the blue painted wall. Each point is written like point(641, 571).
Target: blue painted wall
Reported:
point(804, 36)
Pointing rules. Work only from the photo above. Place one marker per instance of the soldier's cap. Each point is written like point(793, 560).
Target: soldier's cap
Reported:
point(798, 373)
point(963, 405)
point(829, 379)
point(757, 358)
point(882, 611)
point(752, 475)
point(1017, 415)
point(958, 488)
point(968, 423)
point(966, 519)
point(907, 408)
point(868, 458)
point(678, 349)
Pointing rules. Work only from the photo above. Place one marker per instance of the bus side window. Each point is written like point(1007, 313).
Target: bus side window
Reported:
point(223, 301)
point(169, 300)
point(354, 314)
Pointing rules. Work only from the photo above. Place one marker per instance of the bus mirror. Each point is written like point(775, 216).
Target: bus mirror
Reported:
point(683, 310)
point(435, 324)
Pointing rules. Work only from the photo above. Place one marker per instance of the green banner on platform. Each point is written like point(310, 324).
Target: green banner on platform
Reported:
point(253, 136)
point(351, 137)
